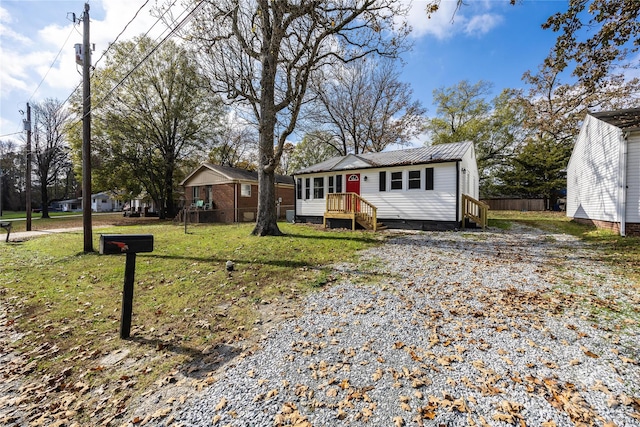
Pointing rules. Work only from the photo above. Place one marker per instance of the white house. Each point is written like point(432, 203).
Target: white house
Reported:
point(419, 188)
point(105, 202)
point(603, 175)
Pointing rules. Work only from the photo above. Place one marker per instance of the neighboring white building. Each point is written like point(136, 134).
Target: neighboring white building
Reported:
point(418, 188)
point(105, 202)
point(603, 175)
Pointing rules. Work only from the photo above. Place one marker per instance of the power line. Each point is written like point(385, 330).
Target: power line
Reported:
point(52, 63)
point(122, 32)
point(177, 27)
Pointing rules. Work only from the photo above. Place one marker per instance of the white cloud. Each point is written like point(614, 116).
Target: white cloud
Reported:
point(472, 18)
point(482, 24)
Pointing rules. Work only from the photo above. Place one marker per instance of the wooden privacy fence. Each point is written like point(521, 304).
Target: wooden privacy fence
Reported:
point(475, 210)
point(515, 204)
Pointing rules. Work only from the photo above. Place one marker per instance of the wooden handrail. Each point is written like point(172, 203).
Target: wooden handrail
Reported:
point(474, 210)
point(352, 204)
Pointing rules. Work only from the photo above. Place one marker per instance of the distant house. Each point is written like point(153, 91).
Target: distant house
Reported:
point(419, 188)
point(603, 175)
point(215, 193)
point(71, 205)
point(105, 202)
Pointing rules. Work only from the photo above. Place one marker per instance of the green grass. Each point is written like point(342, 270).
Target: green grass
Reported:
point(621, 253)
point(184, 299)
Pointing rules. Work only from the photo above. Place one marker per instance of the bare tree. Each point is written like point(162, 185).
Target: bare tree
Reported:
point(50, 148)
point(235, 144)
point(262, 53)
point(365, 107)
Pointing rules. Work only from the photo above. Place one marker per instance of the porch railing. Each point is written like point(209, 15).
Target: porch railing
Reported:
point(475, 210)
point(352, 206)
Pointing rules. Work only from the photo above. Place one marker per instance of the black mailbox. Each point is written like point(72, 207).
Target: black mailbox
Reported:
point(111, 244)
point(129, 244)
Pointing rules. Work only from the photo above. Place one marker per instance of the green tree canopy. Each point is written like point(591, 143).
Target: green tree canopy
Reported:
point(152, 112)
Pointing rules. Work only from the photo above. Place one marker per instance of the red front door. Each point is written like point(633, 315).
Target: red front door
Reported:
point(353, 186)
point(353, 183)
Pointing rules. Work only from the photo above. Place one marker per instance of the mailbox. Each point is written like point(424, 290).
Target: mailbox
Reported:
point(111, 244)
point(129, 244)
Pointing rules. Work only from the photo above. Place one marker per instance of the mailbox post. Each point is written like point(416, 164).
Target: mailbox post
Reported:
point(129, 244)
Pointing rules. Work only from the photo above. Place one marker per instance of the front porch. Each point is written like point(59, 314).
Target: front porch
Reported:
point(353, 207)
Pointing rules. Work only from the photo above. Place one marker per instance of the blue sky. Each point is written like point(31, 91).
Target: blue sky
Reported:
point(488, 40)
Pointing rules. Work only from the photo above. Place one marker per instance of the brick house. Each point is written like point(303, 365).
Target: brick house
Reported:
point(215, 193)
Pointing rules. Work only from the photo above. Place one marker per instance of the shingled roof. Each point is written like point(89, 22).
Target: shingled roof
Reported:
point(623, 119)
point(414, 156)
point(235, 174)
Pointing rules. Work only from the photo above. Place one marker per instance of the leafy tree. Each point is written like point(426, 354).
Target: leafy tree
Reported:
point(596, 38)
point(314, 148)
point(153, 113)
point(495, 127)
point(50, 148)
point(365, 107)
point(12, 177)
point(538, 170)
point(262, 54)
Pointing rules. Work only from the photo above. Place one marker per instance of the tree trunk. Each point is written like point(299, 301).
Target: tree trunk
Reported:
point(45, 201)
point(267, 221)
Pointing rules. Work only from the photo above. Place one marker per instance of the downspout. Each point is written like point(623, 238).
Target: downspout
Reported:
point(295, 198)
point(622, 194)
point(458, 195)
point(235, 203)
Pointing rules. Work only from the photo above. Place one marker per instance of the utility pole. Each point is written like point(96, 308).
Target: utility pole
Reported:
point(27, 126)
point(86, 133)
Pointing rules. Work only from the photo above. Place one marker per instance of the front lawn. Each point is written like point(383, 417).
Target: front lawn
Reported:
point(65, 305)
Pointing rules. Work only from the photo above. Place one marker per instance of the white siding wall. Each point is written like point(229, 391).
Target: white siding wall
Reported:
point(471, 177)
point(592, 173)
point(310, 206)
point(438, 204)
point(633, 178)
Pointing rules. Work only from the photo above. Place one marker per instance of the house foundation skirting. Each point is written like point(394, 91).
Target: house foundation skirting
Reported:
point(413, 224)
point(631, 228)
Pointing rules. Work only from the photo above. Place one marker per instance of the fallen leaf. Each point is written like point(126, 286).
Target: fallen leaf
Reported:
point(221, 404)
point(398, 421)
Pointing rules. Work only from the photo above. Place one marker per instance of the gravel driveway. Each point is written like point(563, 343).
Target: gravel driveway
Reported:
point(450, 328)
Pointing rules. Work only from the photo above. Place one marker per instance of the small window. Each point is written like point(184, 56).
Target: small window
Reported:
point(307, 188)
point(331, 188)
point(196, 193)
point(338, 183)
point(318, 188)
point(245, 190)
point(414, 180)
point(299, 189)
point(383, 181)
point(396, 180)
point(428, 181)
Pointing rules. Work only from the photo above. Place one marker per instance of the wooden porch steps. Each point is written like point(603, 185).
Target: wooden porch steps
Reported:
point(352, 206)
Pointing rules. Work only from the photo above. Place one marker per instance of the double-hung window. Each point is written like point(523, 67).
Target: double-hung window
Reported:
point(318, 188)
point(414, 180)
point(396, 180)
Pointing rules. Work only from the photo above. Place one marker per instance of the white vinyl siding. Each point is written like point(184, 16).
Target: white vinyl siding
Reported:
point(592, 173)
point(633, 178)
point(436, 205)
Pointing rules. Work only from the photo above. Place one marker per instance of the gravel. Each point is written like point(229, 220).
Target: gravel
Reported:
point(448, 328)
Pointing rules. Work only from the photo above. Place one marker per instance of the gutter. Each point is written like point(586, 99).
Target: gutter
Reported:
point(295, 198)
point(622, 191)
point(458, 195)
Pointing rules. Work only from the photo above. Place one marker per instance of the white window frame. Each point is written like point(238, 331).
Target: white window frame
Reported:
point(245, 190)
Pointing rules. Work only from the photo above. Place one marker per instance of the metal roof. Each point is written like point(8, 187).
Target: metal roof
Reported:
point(624, 119)
point(434, 154)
